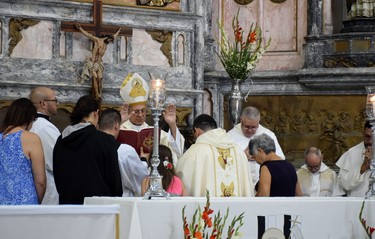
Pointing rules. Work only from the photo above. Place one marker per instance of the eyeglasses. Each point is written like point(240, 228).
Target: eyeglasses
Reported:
point(55, 100)
point(248, 127)
point(139, 111)
point(314, 168)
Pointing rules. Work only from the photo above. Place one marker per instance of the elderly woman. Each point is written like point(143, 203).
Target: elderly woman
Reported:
point(278, 177)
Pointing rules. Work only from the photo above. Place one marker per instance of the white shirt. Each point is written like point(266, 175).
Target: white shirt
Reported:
point(350, 177)
point(48, 134)
point(243, 142)
point(132, 170)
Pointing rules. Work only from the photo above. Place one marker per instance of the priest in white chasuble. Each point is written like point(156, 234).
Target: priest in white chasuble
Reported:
point(214, 163)
point(134, 91)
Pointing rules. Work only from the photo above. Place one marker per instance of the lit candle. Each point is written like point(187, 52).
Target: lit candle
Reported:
point(158, 88)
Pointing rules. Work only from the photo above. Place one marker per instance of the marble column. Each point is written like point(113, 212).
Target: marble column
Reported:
point(314, 17)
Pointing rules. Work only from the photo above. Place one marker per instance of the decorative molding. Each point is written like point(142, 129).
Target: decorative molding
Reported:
point(278, 1)
point(243, 2)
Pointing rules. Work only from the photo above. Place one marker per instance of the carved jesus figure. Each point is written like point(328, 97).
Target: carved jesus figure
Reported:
point(94, 67)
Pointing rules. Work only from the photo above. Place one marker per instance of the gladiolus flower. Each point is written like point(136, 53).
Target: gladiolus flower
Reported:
point(252, 37)
point(238, 55)
point(198, 235)
point(371, 230)
point(187, 231)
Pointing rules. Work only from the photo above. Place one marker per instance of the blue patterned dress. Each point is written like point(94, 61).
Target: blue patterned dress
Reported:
point(16, 179)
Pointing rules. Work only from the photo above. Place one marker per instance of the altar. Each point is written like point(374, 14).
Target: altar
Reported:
point(266, 218)
point(59, 222)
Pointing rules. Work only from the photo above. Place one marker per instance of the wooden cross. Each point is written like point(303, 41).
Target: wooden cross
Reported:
point(97, 27)
point(103, 35)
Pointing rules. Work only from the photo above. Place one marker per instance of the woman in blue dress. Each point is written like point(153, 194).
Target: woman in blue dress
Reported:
point(22, 169)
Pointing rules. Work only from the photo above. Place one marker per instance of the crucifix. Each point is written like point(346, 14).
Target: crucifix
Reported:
point(101, 35)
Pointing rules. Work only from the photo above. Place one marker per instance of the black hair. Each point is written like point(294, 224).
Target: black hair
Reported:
point(204, 122)
point(108, 118)
point(85, 105)
point(20, 112)
point(165, 154)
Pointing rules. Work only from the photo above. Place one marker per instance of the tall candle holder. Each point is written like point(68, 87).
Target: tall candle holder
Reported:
point(370, 112)
point(156, 100)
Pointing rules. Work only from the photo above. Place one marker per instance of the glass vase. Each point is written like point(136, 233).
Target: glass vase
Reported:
point(235, 99)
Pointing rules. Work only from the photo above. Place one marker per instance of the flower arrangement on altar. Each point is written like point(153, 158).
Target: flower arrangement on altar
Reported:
point(202, 220)
point(240, 57)
point(369, 230)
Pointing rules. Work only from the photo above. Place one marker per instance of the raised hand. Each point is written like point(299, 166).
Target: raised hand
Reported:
point(124, 112)
point(169, 115)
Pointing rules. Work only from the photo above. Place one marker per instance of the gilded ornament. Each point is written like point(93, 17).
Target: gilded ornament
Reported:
point(227, 190)
point(137, 89)
point(16, 25)
point(165, 38)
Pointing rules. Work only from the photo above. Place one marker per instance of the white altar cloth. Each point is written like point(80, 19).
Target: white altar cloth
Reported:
point(311, 218)
point(59, 222)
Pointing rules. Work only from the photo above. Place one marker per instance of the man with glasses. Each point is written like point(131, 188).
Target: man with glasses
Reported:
point(46, 103)
point(354, 166)
point(134, 92)
point(245, 130)
point(316, 178)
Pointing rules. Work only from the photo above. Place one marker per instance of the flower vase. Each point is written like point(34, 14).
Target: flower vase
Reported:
point(235, 102)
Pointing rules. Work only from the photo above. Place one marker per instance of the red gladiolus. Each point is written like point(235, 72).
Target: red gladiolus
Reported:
point(198, 235)
point(187, 231)
point(238, 34)
point(208, 210)
point(252, 37)
point(371, 230)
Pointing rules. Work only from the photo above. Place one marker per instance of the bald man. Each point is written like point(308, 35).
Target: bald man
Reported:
point(46, 103)
point(315, 178)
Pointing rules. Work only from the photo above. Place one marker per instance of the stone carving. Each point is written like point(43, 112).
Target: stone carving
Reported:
point(344, 122)
point(282, 124)
point(16, 25)
point(310, 123)
point(165, 38)
point(296, 124)
point(333, 62)
point(332, 130)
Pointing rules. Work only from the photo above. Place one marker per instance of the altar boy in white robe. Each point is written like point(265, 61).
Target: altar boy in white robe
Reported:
point(214, 163)
point(134, 91)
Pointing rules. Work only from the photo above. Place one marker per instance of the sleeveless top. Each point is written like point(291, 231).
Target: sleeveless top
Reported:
point(175, 188)
point(283, 178)
point(16, 179)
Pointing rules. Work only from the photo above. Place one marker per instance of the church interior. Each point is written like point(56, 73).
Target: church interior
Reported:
point(309, 85)
point(314, 68)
